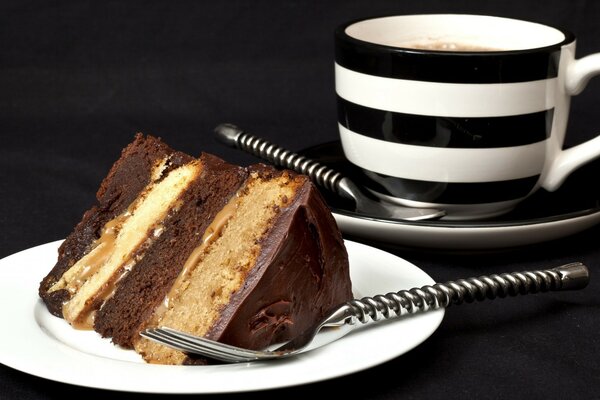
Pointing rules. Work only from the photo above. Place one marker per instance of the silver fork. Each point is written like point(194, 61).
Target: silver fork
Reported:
point(356, 313)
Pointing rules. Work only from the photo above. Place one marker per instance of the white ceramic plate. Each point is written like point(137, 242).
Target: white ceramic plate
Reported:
point(541, 218)
point(37, 343)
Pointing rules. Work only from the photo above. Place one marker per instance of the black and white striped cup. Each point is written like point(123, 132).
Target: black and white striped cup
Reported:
point(461, 112)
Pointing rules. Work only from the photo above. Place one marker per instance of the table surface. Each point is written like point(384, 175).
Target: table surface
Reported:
point(78, 79)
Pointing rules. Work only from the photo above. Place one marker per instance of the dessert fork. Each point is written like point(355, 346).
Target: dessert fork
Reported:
point(356, 313)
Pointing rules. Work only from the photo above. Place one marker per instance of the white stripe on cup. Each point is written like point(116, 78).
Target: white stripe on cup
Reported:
point(443, 164)
point(444, 99)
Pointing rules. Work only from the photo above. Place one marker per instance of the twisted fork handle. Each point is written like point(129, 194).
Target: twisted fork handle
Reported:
point(322, 175)
point(441, 295)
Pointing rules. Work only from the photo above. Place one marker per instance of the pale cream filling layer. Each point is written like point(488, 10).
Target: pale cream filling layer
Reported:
point(117, 250)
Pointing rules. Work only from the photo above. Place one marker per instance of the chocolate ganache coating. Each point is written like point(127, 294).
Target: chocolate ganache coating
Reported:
point(301, 274)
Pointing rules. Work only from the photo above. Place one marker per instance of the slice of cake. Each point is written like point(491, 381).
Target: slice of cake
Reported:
point(247, 256)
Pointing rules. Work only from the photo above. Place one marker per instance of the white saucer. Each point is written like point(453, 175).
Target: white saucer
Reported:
point(541, 218)
point(40, 344)
point(456, 236)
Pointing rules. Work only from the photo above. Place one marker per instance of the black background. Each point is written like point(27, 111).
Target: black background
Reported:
point(78, 79)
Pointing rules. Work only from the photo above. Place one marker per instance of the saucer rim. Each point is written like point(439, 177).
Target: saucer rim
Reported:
point(470, 224)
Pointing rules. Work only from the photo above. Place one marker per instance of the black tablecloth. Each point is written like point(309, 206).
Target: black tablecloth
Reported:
point(78, 79)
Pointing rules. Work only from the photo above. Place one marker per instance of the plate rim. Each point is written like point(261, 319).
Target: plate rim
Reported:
point(432, 320)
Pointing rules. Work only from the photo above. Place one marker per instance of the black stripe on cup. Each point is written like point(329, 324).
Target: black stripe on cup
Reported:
point(488, 67)
point(448, 192)
point(450, 132)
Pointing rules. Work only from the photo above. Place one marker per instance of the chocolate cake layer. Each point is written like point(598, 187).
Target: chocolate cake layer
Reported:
point(124, 242)
point(123, 184)
point(144, 288)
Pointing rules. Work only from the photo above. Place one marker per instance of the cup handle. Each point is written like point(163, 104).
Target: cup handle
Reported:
point(578, 75)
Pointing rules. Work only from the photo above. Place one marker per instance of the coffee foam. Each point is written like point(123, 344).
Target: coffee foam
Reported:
point(442, 45)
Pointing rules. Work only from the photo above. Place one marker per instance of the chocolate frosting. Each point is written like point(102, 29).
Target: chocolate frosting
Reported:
point(301, 274)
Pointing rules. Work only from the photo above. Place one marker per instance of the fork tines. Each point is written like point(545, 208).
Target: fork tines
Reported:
point(198, 345)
